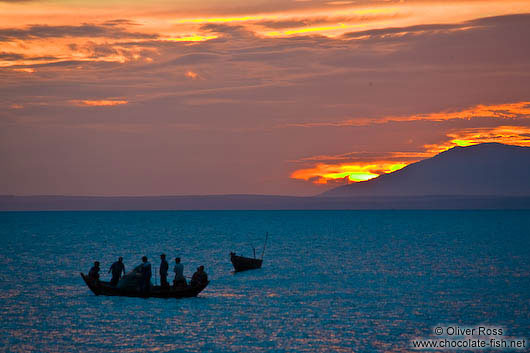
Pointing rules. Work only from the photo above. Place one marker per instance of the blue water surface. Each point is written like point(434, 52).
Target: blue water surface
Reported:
point(332, 281)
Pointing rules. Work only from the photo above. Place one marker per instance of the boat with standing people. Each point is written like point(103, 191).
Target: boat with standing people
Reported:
point(105, 288)
point(137, 283)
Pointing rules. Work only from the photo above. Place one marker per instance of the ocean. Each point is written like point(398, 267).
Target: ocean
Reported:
point(332, 281)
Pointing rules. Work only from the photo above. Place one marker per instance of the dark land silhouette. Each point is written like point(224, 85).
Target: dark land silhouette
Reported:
point(258, 202)
point(485, 176)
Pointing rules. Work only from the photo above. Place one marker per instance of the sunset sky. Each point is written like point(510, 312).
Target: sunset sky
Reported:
point(285, 97)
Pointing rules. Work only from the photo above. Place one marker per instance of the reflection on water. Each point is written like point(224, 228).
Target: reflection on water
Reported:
point(339, 281)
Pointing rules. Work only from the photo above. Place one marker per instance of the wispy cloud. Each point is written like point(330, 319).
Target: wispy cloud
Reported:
point(99, 102)
point(192, 38)
point(519, 110)
point(106, 30)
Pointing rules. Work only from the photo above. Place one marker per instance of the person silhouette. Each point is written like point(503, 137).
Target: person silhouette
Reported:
point(117, 269)
point(179, 280)
point(146, 275)
point(199, 278)
point(94, 271)
point(164, 266)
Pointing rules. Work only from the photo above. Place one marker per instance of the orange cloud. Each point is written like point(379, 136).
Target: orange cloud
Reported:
point(508, 110)
point(29, 70)
point(339, 3)
point(503, 111)
point(99, 103)
point(194, 38)
point(220, 19)
point(192, 75)
point(340, 26)
point(510, 135)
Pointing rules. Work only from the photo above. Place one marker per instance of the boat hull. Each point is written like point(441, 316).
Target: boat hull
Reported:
point(104, 288)
point(242, 263)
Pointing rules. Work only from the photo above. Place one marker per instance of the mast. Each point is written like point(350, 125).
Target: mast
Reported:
point(265, 245)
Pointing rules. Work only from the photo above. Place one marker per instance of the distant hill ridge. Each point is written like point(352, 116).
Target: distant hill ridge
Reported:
point(487, 169)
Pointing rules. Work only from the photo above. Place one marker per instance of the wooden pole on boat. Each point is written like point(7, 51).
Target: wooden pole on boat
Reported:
point(264, 245)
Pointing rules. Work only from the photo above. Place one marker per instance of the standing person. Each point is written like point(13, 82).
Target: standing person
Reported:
point(179, 280)
point(199, 278)
point(146, 275)
point(117, 269)
point(164, 267)
point(94, 272)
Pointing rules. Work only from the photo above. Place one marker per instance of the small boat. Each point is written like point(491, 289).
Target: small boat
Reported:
point(104, 288)
point(242, 263)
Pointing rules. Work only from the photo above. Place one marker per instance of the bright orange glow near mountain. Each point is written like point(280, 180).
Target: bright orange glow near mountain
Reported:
point(354, 171)
point(323, 173)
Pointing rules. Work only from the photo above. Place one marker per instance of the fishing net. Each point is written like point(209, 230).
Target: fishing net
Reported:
point(131, 280)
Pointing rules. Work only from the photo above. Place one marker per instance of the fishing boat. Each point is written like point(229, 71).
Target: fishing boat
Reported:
point(242, 263)
point(105, 288)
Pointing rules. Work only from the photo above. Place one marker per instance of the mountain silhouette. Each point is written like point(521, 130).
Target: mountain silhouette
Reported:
point(487, 169)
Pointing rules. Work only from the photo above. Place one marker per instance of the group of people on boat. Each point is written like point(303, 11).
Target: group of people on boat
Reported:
point(140, 277)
